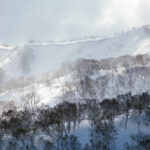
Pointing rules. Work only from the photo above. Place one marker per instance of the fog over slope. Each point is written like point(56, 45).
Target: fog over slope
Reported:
point(29, 66)
point(37, 58)
point(65, 19)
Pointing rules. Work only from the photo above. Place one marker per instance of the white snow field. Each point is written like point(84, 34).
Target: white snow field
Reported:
point(35, 59)
point(5, 51)
point(38, 58)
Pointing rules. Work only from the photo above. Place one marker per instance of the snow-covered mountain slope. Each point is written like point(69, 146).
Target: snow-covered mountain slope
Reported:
point(18, 98)
point(103, 84)
point(36, 58)
point(5, 51)
point(33, 76)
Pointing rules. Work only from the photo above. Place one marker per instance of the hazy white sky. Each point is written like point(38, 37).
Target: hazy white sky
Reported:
point(22, 20)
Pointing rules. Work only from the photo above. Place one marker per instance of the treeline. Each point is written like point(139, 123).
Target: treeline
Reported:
point(81, 66)
point(93, 65)
point(100, 85)
point(48, 128)
point(88, 78)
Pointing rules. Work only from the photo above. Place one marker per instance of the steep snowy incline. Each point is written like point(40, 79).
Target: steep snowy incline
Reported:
point(35, 59)
point(5, 51)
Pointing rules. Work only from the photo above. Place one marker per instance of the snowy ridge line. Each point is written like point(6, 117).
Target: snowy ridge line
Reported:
point(71, 42)
point(6, 47)
point(94, 39)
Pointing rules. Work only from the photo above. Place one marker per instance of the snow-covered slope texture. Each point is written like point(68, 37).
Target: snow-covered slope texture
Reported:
point(36, 58)
point(5, 51)
point(85, 79)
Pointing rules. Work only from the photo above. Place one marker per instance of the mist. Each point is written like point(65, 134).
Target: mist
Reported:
point(24, 20)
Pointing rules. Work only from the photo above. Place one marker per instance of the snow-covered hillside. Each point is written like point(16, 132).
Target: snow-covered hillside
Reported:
point(104, 84)
point(5, 51)
point(37, 58)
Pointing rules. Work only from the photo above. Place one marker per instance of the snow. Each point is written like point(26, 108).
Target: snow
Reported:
point(83, 132)
point(143, 47)
point(5, 51)
point(47, 96)
point(47, 57)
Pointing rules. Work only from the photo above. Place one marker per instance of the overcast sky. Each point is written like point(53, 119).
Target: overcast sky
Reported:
point(22, 20)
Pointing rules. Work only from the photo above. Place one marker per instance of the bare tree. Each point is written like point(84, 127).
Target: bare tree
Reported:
point(31, 100)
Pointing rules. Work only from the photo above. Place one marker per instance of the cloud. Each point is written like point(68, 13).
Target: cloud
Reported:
point(22, 20)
